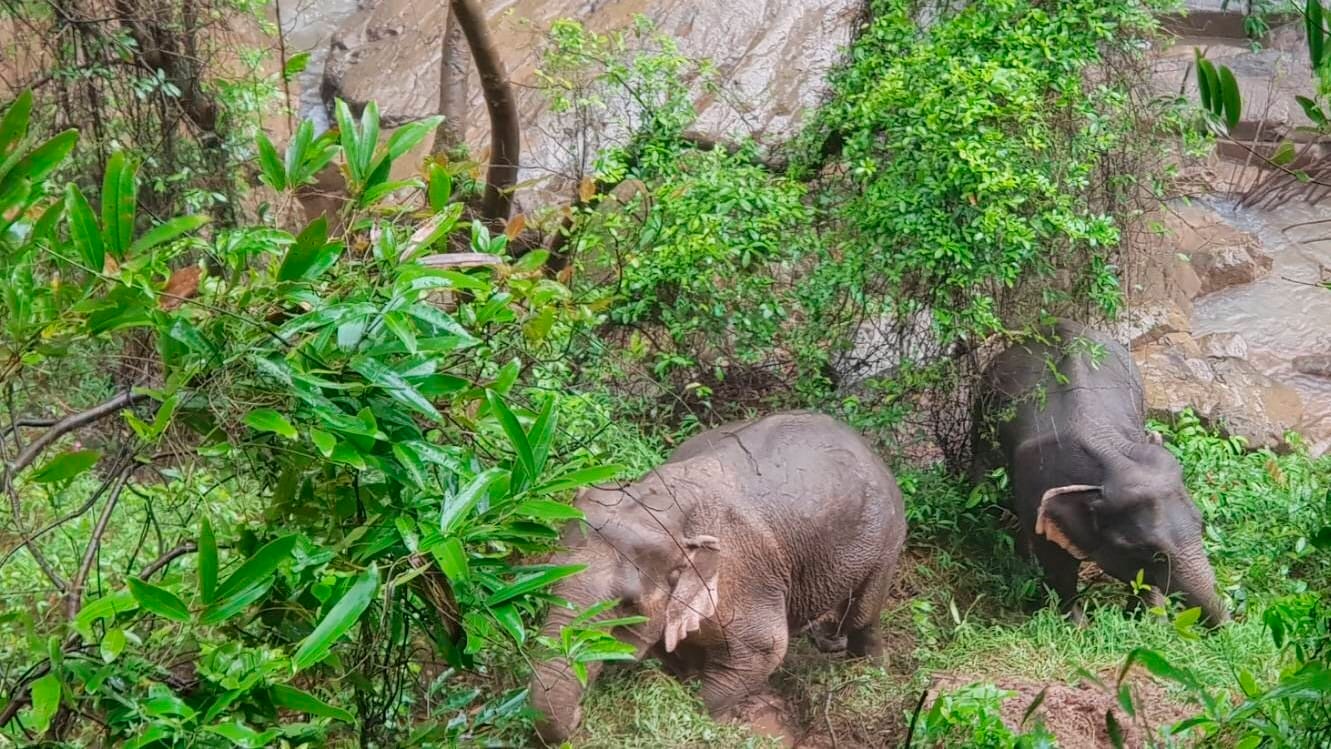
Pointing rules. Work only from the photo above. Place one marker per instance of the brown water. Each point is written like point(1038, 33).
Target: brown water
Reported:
point(1285, 314)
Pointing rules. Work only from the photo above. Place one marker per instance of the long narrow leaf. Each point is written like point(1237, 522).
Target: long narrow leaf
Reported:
point(83, 230)
point(258, 567)
point(207, 562)
point(1231, 101)
point(533, 582)
point(159, 601)
point(304, 702)
point(458, 506)
point(44, 159)
point(166, 232)
point(396, 386)
point(516, 436)
point(14, 125)
point(120, 195)
point(1312, 17)
point(271, 169)
point(340, 618)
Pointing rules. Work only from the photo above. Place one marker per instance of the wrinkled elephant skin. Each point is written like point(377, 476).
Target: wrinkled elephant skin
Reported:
point(1089, 482)
point(749, 533)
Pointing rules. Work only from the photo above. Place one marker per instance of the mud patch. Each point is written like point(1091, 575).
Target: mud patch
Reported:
point(1075, 713)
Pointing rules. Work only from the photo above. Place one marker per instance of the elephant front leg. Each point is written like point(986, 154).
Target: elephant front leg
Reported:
point(1060, 574)
point(740, 670)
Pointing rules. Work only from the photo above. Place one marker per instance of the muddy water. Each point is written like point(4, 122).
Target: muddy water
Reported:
point(308, 26)
point(1282, 316)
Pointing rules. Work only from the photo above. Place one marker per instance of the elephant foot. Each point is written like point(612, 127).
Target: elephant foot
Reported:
point(866, 643)
point(1077, 615)
point(767, 715)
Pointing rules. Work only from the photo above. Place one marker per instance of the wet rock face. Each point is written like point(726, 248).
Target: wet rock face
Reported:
point(1226, 392)
point(1230, 264)
point(773, 57)
point(1316, 365)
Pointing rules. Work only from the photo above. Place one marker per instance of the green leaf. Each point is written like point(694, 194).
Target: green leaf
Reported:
point(259, 567)
point(228, 606)
point(44, 159)
point(510, 621)
point(401, 327)
point(458, 506)
point(396, 386)
point(323, 441)
point(106, 607)
point(83, 230)
point(339, 619)
point(311, 255)
point(1313, 111)
point(120, 196)
point(1312, 18)
point(304, 702)
point(296, 65)
point(14, 124)
point(268, 420)
point(1185, 622)
point(1114, 729)
point(163, 233)
point(159, 601)
point(1204, 73)
point(452, 558)
point(440, 190)
point(580, 478)
point(1230, 98)
point(242, 735)
point(516, 437)
point(1284, 154)
point(410, 135)
point(544, 509)
point(542, 435)
point(1156, 664)
point(112, 645)
point(533, 582)
point(66, 466)
point(207, 562)
point(411, 461)
point(45, 703)
point(271, 170)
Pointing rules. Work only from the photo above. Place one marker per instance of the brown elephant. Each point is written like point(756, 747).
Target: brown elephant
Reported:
point(749, 532)
point(1089, 482)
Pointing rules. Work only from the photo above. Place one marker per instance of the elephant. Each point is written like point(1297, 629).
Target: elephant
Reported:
point(1090, 483)
point(748, 533)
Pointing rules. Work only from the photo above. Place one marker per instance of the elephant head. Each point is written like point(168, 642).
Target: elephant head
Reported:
point(638, 551)
point(1140, 518)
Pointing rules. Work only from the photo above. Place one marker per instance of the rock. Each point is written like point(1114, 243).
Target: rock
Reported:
point(1317, 365)
point(1229, 393)
point(771, 55)
point(881, 345)
point(1146, 325)
point(1223, 346)
point(1225, 265)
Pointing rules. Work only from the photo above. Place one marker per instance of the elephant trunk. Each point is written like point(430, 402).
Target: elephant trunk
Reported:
point(1193, 577)
point(555, 691)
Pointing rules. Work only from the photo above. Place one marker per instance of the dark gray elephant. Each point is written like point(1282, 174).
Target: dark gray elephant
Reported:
point(749, 532)
point(1067, 418)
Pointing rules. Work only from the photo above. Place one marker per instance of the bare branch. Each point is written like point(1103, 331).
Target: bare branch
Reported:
point(69, 424)
point(188, 547)
point(461, 260)
point(74, 594)
point(505, 137)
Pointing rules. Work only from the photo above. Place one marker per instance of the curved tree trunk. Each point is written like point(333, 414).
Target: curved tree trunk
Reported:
point(452, 89)
point(505, 137)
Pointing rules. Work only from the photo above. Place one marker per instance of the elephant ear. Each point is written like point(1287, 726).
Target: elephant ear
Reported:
point(693, 598)
point(1055, 516)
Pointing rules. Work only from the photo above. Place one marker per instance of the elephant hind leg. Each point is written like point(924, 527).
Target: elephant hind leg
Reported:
point(863, 616)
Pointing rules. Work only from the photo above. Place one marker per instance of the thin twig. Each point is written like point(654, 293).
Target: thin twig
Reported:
point(74, 594)
point(188, 547)
point(69, 424)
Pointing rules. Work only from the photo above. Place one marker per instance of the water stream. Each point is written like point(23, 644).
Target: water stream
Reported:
point(1285, 314)
point(308, 26)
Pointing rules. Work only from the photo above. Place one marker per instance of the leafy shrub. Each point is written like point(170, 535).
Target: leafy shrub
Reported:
point(971, 716)
point(369, 393)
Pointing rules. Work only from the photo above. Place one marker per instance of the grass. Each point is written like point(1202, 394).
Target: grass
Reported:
point(968, 608)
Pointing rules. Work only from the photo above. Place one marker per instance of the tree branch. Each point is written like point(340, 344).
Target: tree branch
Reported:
point(69, 424)
point(505, 137)
point(188, 547)
point(74, 595)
